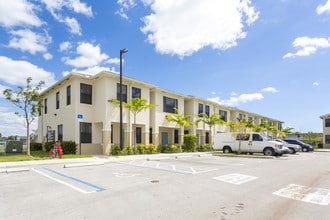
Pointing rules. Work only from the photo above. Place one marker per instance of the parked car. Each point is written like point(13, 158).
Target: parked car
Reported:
point(293, 147)
point(304, 147)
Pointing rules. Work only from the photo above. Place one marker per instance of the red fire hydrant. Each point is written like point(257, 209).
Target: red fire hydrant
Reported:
point(60, 151)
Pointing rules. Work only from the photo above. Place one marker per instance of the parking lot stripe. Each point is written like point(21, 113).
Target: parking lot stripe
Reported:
point(98, 189)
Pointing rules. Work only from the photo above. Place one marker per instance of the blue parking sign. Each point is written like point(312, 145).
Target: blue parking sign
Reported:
point(80, 116)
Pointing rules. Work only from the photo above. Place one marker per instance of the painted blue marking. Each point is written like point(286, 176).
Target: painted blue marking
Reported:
point(98, 189)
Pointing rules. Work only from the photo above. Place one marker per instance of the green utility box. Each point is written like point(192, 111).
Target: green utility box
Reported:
point(14, 147)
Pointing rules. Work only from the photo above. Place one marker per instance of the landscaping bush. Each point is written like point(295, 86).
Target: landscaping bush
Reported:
point(146, 149)
point(115, 151)
point(168, 149)
point(69, 147)
point(34, 146)
point(203, 148)
point(48, 146)
point(189, 143)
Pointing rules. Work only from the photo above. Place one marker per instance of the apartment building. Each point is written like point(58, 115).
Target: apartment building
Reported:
point(326, 130)
point(76, 108)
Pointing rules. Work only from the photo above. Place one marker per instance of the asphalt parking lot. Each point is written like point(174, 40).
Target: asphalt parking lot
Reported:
point(170, 187)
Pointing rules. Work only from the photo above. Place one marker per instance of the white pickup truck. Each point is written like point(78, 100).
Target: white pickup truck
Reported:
point(251, 142)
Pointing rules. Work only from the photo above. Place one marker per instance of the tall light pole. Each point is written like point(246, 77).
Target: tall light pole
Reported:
point(121, 141)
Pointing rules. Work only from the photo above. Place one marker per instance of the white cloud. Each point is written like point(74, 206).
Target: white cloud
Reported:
point(26, 40)
point(125, 5)
point(269, 89)
point(323, 8)
point(182, 27)
point(48, 56)
point(56, 9)
point(316, 83)
point(17, 13)
point(11, 124)
point(15, 72)
point(238, 99)
point(65, 46)
point(88, 56)
point(307, 46)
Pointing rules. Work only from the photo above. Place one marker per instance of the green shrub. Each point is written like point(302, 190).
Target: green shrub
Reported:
point(168, 149)
point(34, 146)
point(203, 148)
point(48, 146)
point(189, 143)
point(115, 151)
point(127, 151)
point(69, 147)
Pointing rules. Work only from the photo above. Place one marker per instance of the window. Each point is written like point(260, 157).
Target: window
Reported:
point(136, 92)
point(327, 139)
point(85, 132)
point(256, 137)
point(207, 139)
point(150, 135)
point(138, 131)
point(85, 93)
point(223, 115)
point(60, 132)
point(68, 95)
point(111, 138)
point(45, 106)
point(123, 92)
point(327, 122)
point(207, 110)
point(200, 108)
point(250, 119)
point(176, 136)
point(57, 100)
point(169, 104)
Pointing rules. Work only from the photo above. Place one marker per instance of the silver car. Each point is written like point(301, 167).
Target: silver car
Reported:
point(293, 147)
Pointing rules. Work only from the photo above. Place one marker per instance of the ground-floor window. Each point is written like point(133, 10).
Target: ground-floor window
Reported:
point(176, 136)
point(138, 131)
point(150, 135)
point(207, 141)
point(60, 132)
point(85, 132)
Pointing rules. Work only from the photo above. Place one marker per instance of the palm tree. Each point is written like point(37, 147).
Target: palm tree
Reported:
point(211, 121)
point(181, 120)
point(135, 106)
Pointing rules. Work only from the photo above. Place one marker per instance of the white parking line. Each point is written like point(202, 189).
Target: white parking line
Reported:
point(306, 194)
point(98, 189)
point(235, 178)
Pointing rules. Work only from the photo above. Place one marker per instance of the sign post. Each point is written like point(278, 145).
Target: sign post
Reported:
point(80, 118)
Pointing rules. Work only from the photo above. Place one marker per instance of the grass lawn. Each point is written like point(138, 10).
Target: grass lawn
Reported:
point(35, 155)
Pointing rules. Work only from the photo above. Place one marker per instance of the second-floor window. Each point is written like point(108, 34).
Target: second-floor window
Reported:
point(123, 92)
point(57, 100)
point(136, 92)
point(85, 93)
point(169, 104)
point(207, 110)
point(200, 108)
point(327, 122)
point(223, 115)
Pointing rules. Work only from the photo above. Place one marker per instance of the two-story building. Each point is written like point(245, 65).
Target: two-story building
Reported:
point(326, 130)
point(76, 108)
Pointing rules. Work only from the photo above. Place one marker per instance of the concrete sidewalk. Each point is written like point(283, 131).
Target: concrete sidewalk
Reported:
point(100, 159)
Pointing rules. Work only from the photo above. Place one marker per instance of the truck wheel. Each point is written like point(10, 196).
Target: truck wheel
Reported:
point(305, 149)
point(292, 151)
point(269, 151)
point(226, 150)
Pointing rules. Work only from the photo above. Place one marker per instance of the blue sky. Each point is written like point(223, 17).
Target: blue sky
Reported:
point(267, 57)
